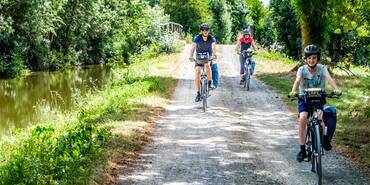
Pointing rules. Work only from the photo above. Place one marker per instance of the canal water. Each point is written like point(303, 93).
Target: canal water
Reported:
point(22, 100)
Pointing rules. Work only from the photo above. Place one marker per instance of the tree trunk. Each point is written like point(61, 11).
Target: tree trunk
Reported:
point(312, 22)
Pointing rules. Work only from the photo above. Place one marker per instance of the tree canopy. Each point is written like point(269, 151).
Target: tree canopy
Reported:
point(58, 34)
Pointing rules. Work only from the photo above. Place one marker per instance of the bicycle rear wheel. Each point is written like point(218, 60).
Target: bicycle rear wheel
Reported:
point(204, 94)
point(318, 154)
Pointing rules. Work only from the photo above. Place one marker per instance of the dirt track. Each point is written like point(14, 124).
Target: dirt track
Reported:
point(243, 138)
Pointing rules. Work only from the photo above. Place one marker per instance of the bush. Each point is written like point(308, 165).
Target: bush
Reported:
point(50, 155)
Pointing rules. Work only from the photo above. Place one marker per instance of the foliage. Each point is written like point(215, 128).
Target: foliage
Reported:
point(22, 35)
point(221, 24)
point(50, 155)
point(238, 13)
point(257, 13)
point(153, 2)
point(58, 34)
point(313, 21)
point(349, 31)
point(287, 27)
point(189, 13)
point(341, 31)
point(68, 149)
point(266, 32)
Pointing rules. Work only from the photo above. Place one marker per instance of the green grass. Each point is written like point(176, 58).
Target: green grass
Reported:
point(67, 149)
point(353, 129)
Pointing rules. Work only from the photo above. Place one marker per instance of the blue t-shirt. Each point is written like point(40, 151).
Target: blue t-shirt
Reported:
point(204, 46)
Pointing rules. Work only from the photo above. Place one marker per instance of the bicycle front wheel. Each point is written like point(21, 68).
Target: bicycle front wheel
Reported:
point(204, 94)
point(248, 79)
point(318, 154)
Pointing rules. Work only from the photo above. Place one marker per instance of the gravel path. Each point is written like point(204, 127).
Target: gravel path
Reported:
point(245, 137)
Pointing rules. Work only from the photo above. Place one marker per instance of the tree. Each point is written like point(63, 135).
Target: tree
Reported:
point(257, 13)
point(238, 13)
point(287, 27)
point(189, 13)
point(153, 2)
point(268, 32)
point(24, 42)
point(313, 21)
point(221, 24)
point(349, 31)
point(57, 34)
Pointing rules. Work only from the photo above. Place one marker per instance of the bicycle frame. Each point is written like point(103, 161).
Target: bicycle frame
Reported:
point(247, 68)
point(314, 134)
point(315, 97)
point(203, 59)
point(204, 91)
point(204, 87)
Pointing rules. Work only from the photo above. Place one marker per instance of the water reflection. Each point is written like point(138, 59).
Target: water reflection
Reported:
point(21, 100)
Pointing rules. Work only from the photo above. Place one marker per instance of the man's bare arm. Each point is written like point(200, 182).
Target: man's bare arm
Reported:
point(193, 46)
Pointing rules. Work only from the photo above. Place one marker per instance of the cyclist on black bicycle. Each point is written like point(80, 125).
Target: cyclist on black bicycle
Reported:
point(311, 75)
point(203, 43)
point(243, 44)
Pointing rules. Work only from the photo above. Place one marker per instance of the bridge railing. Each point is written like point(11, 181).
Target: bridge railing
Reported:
point(172, 27)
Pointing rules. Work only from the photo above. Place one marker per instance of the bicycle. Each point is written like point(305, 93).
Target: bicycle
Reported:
point(247, 54)
point(202, 59)
point(315, 97)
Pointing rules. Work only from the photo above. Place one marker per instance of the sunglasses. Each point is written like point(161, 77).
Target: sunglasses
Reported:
point(205, 29)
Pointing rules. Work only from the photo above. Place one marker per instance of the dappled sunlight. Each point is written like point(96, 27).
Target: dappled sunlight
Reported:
point(183, 183)
point(244, 137)
point(143, 176)
point(151, 101)
point(242, 155)
point(209, 142)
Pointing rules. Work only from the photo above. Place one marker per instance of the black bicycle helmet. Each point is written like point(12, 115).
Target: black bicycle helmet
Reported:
point(246, 32)
point(312, 50)
point(204, 26)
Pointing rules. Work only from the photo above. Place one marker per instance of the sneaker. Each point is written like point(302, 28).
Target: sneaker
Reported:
point(197, 98)
point(242, 81)
point(326, 143)
point(301, 156)
point(210, 86)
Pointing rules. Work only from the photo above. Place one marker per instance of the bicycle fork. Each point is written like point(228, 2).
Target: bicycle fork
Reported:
point(203, 84)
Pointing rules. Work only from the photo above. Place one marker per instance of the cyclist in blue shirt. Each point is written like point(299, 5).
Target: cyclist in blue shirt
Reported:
point(203, 43)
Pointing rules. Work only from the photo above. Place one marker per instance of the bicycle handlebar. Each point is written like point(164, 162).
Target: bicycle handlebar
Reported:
point(295, 97)
point(195, 60)
point(324, 95)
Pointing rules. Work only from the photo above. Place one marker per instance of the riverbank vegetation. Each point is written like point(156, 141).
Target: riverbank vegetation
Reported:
point(104, 124)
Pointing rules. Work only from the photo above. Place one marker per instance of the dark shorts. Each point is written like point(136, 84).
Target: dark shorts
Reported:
point(201, 64)
point(303, 107)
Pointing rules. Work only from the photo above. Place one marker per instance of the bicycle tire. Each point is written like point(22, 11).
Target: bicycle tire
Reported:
point(312, 150)
point(318, 155)
point(248, 78)
point(204, 94)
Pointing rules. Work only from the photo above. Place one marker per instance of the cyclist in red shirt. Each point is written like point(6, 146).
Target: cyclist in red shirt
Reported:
point(244, 43)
